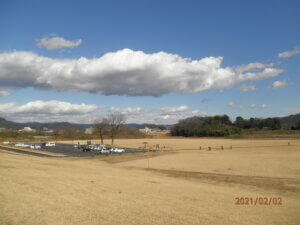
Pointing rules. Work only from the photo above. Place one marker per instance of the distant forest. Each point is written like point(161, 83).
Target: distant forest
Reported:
point(189, 127)
point(220, 126)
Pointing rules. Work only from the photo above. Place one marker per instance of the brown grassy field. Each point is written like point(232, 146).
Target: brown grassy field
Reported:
point(183, 184)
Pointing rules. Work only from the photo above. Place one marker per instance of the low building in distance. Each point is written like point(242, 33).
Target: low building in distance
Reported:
point(27, 129)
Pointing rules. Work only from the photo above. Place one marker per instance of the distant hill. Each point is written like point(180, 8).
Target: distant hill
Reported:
point(142, 126)
point(64, 125)
point(135, 125)
point(10, 125)
point(35, 125)
point(288, 121)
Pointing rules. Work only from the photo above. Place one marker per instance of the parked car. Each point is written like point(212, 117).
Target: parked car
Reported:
point(105, 151)
point(5, 142)
point(117, 150)
point(99, 147)
point(35, 146)
point(85, 148)
point(22, 145)
point(50, 144)
point(91, 147)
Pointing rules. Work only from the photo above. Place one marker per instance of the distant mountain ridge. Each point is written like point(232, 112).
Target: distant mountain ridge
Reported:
point(62, 125)
point(38, 126)
point(286, 122)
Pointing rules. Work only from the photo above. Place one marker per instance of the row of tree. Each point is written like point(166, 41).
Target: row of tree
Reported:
point(220, 126)
point(256, 123)
point(109, 125)
point(296, 127)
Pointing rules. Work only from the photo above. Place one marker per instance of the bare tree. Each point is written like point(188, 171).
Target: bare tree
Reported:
point(115, 122)
point(101, 127)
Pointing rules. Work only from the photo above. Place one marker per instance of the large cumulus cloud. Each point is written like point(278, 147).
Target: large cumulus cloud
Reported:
point(126, 72)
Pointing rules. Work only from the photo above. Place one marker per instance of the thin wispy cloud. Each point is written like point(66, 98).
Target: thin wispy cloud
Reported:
point(289, 53)
point(4, 93)
point(293, 110)
point(253, 106)
point(172, 110)
point(247, 88)
point(278, 84)
point(125, 72)
point(252, 66)
point(127, 111)
point(232, 103)
point(164, 115)
point(239, 106)
point(53, 43)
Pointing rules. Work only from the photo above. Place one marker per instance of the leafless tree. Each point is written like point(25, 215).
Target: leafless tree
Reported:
point(115, 122)
point(101, 127)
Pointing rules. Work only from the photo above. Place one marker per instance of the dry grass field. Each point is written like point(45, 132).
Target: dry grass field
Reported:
point(183, 184)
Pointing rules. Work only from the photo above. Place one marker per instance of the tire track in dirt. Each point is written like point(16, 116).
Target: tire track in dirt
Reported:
point(282, 185)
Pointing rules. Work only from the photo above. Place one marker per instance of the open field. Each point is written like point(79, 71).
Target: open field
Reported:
point(183, 184)
point(179, 143)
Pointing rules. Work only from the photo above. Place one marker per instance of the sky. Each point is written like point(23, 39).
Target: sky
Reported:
point(154, 61)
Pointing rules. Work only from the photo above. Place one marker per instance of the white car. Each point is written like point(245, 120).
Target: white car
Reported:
point(21, 145)
point(91, 147)
point(50, 144)
point(99, 147)
point(117, 150)
point(105, 151)
point(5, 142)
point(35, 146)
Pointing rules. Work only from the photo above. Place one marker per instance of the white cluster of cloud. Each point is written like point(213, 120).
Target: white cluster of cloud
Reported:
point(60, 111)
point(252, 66)
point(47, 107)
point(126, 72)
point(232, 103)
point(252, 106)
point(289, 53)
point(4, 93)
point(174, 110)
point(293, 110)
point(52, 43)
point(165, 115)
point(278, 84)
point(171, 118)
point(246, 88)
point(127, 111)
point(262, 106)
point(44, 111)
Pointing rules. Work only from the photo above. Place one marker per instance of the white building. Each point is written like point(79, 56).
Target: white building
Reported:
point(146, 129)
point(47, 130)
point(27, 129)
point(89, 130)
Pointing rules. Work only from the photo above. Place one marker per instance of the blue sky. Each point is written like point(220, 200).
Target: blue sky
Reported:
point(161, 59)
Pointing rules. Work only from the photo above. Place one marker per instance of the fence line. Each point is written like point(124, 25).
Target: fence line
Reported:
point(234, 147)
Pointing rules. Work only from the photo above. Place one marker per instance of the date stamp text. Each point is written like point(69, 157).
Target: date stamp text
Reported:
point(258, 201)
